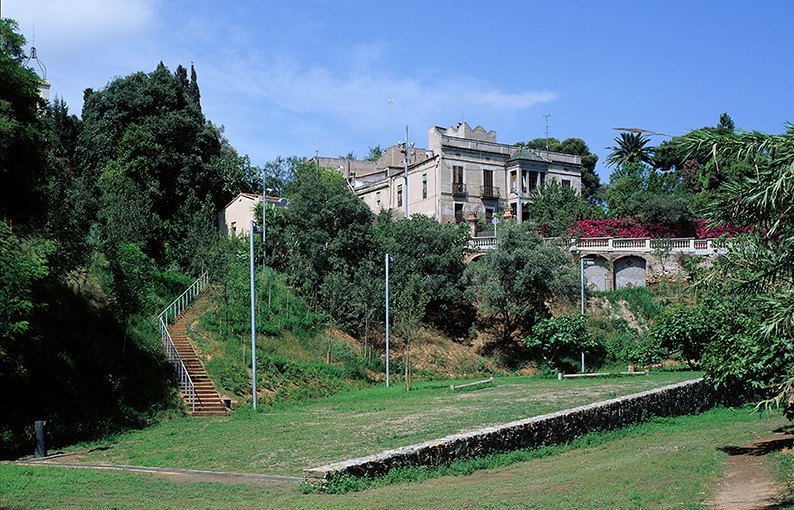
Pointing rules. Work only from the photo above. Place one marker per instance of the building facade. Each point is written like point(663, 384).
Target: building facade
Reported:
point(462, 171)
point(235, 218)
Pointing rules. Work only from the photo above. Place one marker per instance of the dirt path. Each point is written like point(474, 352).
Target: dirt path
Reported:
point(749, 481)
point(192, 475)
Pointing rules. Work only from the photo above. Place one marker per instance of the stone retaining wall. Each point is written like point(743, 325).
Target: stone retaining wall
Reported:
point(677, 399)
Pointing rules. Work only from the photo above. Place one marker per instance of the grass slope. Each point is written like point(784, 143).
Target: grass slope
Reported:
point(288, 437)
point(670, 463)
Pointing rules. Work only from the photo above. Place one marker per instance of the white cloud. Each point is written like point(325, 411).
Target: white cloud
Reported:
point(81, 22)
point(514, 101)
point(359, 97)
point(299, 107)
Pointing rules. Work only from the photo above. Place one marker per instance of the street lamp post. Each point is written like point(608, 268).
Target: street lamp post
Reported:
point(581, 290)
point(253, 229)
point(387, 319)
point(405, 149)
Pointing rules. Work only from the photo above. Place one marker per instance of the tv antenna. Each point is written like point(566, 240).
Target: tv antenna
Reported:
point(547, 129)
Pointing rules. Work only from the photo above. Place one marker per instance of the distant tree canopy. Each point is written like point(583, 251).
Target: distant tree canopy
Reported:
point(697, 166)
point(555, 208)
point(153, 160)
point(630, 148)
point(374, 153)
point(24, 134)
point(639, 191)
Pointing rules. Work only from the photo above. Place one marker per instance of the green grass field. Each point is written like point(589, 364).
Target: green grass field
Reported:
point(668, 463)
point(285, 438)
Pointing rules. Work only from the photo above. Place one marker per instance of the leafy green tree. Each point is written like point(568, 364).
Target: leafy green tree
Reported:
point(639, 191)
point(422, 246)
point(559, 341)
point(130, 270)
point(630, 148)
point(22, 264)
point(280, 174)
point(149, 128)
point(758, 266)
point(698, 166)
point(24, 156)
point(329, 230)
point(124, 210)
point(513, 283)
point(684, 330)
point(237, 174)
point(375, 153)
point(410, 302)
point(555, 208)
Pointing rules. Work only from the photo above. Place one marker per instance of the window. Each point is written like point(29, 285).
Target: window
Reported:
point(457, 179)
point(399, 195)
point(542, 178)
point(458, 213)
point(533, 179)
point(566, 183)
point(424, 185)
point(487, 178)
point(377, 197)
point(457, 174)
point(234, 227)
point(523, 182)
point(488, 215)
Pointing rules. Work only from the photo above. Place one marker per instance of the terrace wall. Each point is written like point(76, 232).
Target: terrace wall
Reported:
point(678, 399)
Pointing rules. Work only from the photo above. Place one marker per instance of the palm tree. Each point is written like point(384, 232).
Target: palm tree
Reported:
point(631, 148)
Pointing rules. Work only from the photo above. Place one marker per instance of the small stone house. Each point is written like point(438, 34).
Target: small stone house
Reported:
point(235, 218)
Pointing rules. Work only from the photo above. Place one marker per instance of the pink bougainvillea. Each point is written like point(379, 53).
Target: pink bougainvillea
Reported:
point(633, 228)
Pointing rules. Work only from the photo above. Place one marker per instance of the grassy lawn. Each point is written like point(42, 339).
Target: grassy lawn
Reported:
point(286, 438)
point(668, 463)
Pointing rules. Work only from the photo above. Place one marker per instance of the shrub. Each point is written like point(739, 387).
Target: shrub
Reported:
point(684, 329)
point(559, 341)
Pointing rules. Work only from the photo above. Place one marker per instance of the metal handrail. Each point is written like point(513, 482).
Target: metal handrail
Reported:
point(171, 312)
point(180, 304)
point(185, 381)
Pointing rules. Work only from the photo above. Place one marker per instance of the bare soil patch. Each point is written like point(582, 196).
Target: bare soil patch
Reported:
point(749, 481)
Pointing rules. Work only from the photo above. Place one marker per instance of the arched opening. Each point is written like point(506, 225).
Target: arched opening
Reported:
point(630, 271)
point(596, 272)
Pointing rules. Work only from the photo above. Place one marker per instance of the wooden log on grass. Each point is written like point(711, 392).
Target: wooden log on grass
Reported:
point(598, 374)
point(452, 387)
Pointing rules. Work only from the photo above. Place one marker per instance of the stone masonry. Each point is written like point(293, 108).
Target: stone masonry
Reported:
point(688, 397)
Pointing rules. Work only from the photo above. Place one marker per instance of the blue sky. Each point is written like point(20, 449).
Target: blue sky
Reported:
point(288, 78)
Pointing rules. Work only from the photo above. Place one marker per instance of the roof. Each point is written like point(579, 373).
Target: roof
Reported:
point(528, 154)
point(277, 201)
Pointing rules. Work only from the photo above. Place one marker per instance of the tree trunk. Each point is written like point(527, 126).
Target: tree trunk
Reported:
point(407, 363)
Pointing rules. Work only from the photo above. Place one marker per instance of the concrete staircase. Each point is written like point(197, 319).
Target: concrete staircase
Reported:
point(207, 400)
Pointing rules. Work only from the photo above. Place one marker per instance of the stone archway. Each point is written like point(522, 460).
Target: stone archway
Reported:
point(597, 272)
point(471, 257)
point(629, 271)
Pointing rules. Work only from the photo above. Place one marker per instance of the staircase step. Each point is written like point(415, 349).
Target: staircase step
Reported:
point(207, 401)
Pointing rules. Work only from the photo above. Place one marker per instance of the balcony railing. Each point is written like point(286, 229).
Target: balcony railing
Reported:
point(608, 244)
point(489, 191)
point(458, 188)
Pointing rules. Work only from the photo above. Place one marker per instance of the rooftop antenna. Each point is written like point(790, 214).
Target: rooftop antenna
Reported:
point(547, 129)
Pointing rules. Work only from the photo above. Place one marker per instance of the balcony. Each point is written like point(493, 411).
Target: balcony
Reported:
point(489, 192)
point(458, 188)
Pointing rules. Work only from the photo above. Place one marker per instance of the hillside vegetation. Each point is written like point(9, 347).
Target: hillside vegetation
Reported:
point(104, 214)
